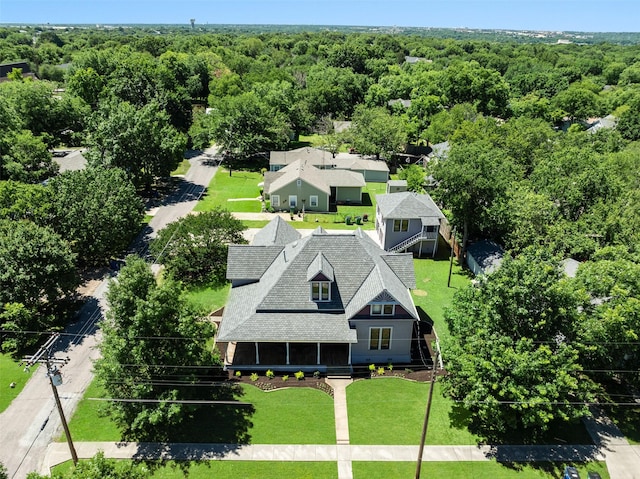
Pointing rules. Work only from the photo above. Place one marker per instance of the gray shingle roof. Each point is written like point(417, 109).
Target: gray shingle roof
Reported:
point(276, 232)
point(320, 266)
point(250, 262)
point(305, 171)
point(407, 204)
point(278, 307)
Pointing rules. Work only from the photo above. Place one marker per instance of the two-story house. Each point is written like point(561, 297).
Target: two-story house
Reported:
point(316, 302)
point(407, 221)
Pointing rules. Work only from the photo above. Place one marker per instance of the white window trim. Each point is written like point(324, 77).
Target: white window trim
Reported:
point(320, 299)
point(275, 201)
point(380, 329)
point(382, 313)
point(313, 201)
point(400, 230)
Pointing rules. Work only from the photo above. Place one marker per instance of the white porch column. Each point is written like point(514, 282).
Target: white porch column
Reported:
point(318, 360)
point(349, 358)
point(257, 354)
point(287, 352)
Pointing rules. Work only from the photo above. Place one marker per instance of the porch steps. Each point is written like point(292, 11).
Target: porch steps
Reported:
point(339, 372)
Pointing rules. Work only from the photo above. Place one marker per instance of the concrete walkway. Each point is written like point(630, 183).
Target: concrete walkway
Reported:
point(339, 385)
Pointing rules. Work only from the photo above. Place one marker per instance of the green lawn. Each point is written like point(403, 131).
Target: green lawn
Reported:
point(291, 416)
point(391, 411)
point(277, 419)
point(11, 372)
point(241, 184)
point(207, 298)
point(432, 293)
point(239, 469)
point(89, 422)
point(182, 168)
point(476, 470)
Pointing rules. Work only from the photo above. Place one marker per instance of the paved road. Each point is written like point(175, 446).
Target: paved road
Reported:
point(31, 422)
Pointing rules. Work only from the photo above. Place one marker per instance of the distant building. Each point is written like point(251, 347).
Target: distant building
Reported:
point(6, 68)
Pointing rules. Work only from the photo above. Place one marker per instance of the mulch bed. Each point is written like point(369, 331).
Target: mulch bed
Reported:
point(309, 381)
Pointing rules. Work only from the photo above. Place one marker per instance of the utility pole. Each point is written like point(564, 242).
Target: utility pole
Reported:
point(426, 415)
point(45, 355)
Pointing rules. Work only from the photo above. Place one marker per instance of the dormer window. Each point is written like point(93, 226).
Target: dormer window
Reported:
point(320, 277)
point(320, 291)
point(386, 309)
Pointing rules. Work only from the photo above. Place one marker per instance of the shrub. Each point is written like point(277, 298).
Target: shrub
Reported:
point(285, 378)
point(254, 377)
point(316, 374)
point(299, 375)
point(381, 371)
point(390, 367)
point(238, 374)
point(372, 367)
point(270, 374)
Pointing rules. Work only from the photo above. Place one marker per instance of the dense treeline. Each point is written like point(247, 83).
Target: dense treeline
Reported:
point(521, 168)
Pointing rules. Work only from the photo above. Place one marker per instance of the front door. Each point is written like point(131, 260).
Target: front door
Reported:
point(293, 201)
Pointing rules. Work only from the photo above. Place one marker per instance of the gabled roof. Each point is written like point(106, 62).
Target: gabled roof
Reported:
point(488, 254)
point(321, 179)
point(276, 232)
point(407, 205)
point(323, 159)
point(278, 306)
point(320, 267)
point(245, 262)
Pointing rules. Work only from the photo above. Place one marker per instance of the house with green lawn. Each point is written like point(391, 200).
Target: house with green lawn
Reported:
point(317, 303)
point(302, 186)
point(372, 170)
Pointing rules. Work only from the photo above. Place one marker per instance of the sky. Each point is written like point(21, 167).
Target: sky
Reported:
point(566, 15)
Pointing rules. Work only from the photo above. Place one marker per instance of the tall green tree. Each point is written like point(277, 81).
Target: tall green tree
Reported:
point(512, 361)
point(194, 248)
point(139, 140)
point(97, 210)
point(377, 132)
point(149, 336)
point(28, 160)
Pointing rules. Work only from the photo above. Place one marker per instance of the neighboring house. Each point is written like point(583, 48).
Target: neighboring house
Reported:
point(372, 170)
point(23, 66)
point(407, 221)
point(608, 122)
point(484, 257)
point(404, 102)
point(70, 160)
point(315, 303)
point(300, 185)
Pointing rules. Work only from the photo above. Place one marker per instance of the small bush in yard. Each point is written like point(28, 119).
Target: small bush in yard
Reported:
point(285, 378)
point(270, 374)
point(238, 374)
point(254, 377)
point(372, 367)
point(390, 367)
point(381, 371)
point(316, 374)
point(299, 375)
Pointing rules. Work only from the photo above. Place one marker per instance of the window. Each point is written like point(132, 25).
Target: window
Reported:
point(431, 229)
point(400, 225)
point(313, 201)
point(382, 309)
point(379, 338)
point(293, 201)
point(275, 201)
point(320, 291)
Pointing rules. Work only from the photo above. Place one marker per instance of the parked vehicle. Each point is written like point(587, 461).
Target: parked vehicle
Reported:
point(593, 475)
point(570, 472)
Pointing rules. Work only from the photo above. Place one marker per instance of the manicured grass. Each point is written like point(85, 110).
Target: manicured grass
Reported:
point(374, 405)
point(11, 372)
point(285, 416)
point(182, 168)
point(291, 416)
point(469, 469)
point(431, 293)
point(239, 469)
point(207, 298)
point(89, 422)
point(241, 184)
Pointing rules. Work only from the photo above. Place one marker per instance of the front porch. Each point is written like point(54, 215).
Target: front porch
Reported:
point(285, 356)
